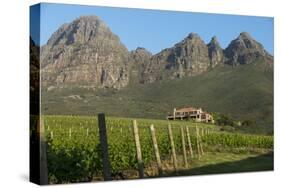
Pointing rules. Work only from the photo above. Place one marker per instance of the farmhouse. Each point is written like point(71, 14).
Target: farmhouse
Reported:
point(191, 113)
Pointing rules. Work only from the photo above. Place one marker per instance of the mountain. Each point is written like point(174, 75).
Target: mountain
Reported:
point(215, 51)
point(84, 53)
point(192, 57)
point(245, 50)
point(85, 69)
point(187, 58)
point(139, 58)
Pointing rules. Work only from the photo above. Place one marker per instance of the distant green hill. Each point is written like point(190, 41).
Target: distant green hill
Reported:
point(243, 92)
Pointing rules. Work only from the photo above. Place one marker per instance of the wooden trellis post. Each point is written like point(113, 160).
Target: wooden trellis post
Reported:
point(201, 147)
point(87, 132)
point(70, 133)
point(138, 148)
point(156, 151)
point(197, 143)
point(104, 147)
point(183, 148)
point(189, 142)
point(172, 147)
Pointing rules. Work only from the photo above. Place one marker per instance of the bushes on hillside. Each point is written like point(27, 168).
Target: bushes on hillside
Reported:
point(225, 120)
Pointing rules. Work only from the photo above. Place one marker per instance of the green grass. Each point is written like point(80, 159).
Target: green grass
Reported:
point(244, 93)
point(216, 163)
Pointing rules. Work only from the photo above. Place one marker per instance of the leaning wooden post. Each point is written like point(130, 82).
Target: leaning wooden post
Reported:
point(183, 148)
point(197, 143)
point(189, 142)
point(104, 147)
point(172, 147)
point(156, 151)
point(138, 148)
point(43, 153)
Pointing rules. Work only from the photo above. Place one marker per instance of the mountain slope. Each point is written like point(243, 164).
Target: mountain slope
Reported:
point(244, 93)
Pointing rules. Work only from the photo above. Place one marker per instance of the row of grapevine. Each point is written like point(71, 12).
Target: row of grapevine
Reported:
point(74, 152)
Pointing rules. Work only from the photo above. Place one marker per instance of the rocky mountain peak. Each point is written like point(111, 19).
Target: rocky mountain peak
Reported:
point(186, 58)
point(215, 52)
point(142, 50)
point(244, 50)
point(86, 53)
point(193, 36)
point(140, 55)
point(214, 41)
point(140, 58)
point(83, 30)
point(245, 35)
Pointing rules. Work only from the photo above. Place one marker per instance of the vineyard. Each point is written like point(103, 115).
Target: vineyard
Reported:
point(74, 151)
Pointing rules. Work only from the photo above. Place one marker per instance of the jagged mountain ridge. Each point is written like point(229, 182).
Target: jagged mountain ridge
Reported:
point(85, 53)
point(192, 57)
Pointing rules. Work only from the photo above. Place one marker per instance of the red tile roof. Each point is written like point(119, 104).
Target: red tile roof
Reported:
point(186, 109)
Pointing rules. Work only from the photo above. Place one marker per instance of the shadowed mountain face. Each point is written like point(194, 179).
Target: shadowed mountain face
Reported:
point(34, 79)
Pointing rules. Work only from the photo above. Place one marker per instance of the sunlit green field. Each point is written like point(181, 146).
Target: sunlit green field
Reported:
point(74, 155)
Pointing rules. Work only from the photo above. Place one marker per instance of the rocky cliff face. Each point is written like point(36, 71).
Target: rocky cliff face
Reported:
point(244, 50)
point(192, 57)
point(85, 53)
point(139, 58)
point(187, 58)
point(216, 55)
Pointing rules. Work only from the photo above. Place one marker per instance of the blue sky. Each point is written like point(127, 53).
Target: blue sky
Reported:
point(154, 29)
